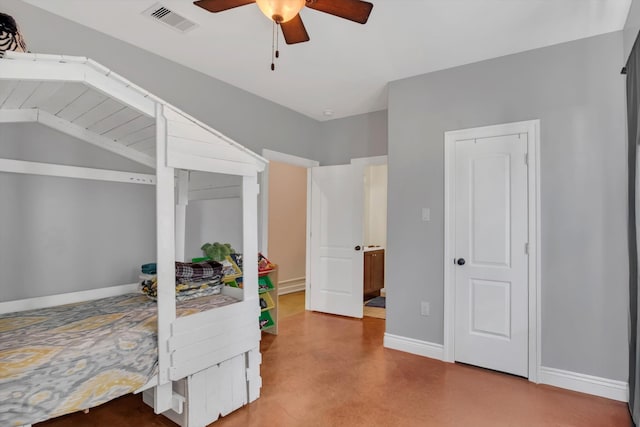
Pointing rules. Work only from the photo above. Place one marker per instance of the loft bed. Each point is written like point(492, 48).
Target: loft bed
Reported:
point(206, 362)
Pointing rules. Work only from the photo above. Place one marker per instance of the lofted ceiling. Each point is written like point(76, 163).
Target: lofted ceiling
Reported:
point(346, 66)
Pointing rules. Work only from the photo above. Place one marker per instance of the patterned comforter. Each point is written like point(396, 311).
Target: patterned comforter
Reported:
point(68, 358)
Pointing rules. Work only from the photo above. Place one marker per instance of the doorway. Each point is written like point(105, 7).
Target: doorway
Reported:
point(283, 225)
point(492, 231)
point(375, 240)
point(370, 218)
point(340, 243)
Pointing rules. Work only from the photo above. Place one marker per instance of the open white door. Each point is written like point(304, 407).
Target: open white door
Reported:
point(336, 240)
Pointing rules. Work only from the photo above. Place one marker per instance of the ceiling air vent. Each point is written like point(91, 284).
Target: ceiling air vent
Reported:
point(170, 18)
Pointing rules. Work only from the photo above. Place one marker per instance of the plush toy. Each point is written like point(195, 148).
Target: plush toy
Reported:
point(217, 251)
point(10, 37)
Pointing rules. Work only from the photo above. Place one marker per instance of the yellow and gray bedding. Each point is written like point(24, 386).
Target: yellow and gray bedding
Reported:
point(68, 358)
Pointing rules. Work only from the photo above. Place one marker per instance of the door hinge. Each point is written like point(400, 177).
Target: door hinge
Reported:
point(526, 248)
point(526, 158)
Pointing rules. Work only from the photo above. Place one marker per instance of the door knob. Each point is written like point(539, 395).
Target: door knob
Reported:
point(357, 248)
point(460, 261)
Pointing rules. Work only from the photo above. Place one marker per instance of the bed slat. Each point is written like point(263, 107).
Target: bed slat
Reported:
point(179, 160)
point(254, 360)
point(208, 150)
point(139, 136)
point(135, 125)
point(113, 121)
point(81, 105)
point(20, 94)
point(193, 132)
point(119, 90)
point(198, 396)
point(45, 91)
point(63, 97)
point(6, 88)
point(183, 329)
point(199, 347)
point(99, 112)
point(217, 355)
point(238, 393)
point(213, 393)
point(145, 144)
point(189, 329)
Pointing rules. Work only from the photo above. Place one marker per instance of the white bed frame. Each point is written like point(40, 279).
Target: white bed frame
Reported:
point(203, 371)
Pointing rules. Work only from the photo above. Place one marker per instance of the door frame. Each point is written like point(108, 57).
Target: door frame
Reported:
point(362, 163)
point(264, 201)
point(359, 163)
point(532, 129)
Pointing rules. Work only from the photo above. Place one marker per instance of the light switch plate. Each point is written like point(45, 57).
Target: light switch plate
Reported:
point(425, 308)
point(426, 214)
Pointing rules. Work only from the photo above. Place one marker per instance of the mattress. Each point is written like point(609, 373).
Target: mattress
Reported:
point(68, 358)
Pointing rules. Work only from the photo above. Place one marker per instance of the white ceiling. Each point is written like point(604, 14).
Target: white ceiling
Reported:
point(346, 66)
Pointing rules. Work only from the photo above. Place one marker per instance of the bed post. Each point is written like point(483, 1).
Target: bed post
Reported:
point(250, 235)
point(166, 251)
point(181, 213)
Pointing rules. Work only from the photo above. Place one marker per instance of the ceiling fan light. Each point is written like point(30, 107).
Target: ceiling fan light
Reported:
point(280, 10)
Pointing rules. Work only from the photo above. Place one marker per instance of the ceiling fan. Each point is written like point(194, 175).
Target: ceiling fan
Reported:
point(285, 12)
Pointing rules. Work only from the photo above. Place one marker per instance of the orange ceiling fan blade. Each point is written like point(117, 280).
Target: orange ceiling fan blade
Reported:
point(221, 5)
point(353, 10)
point(294, 31)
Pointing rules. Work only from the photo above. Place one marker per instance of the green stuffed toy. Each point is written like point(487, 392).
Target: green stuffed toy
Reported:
point(217, 251)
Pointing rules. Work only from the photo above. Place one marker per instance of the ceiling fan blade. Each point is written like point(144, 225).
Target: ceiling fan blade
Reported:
point(294, 31)
point(220, 5)
point(353, 10)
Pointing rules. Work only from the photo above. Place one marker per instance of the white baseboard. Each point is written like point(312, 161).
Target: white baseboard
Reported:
point(603, 387)
point(597, 386)
point(414, 346)
point(292, 285)
point(68, 298)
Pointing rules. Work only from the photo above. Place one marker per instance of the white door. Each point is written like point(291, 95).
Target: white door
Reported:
point(491, 278)
point(336, 259)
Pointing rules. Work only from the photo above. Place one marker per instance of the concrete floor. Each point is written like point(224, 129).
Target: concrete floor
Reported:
point(324, 370)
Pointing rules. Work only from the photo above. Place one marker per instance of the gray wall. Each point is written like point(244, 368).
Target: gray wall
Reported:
point(124, 245)
point(62, 235)
point(341, 140)
point(209, 221)
point(576, 90)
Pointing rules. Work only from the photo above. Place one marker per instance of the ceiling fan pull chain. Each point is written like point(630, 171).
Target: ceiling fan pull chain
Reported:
point(277, 41)
point(273, 49)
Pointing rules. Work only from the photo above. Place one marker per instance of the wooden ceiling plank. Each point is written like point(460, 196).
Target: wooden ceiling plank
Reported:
point(133, 126)
point(144, 144)
point(63, 97)
point(99, 112)
point(20, 94)
point(140, 135)
point(85, 102)
point(113, 121)
point(6, 88)
point(45, 91)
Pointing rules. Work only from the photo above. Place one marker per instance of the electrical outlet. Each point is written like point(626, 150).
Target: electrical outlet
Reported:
point(426, 214)
point(425, 308)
